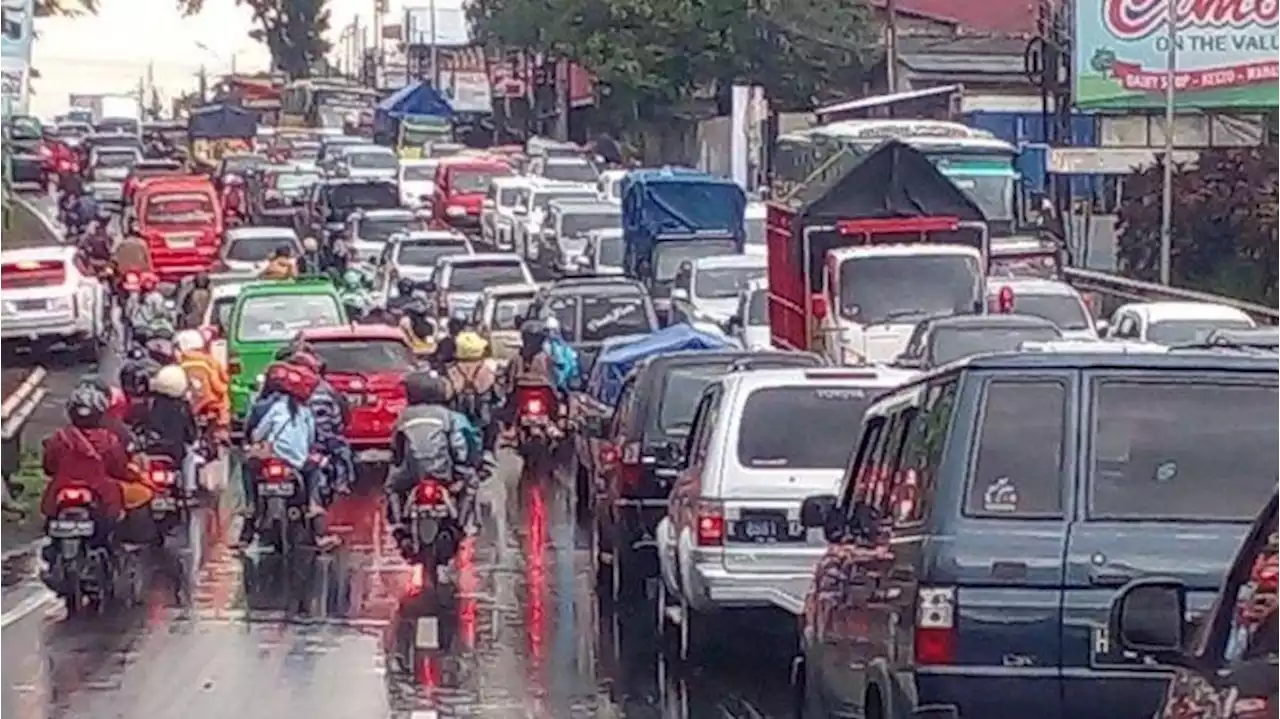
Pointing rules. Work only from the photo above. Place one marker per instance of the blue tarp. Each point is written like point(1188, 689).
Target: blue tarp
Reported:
point(668, 201)
point(616, 362)
point(417, 98)
point(221, 121)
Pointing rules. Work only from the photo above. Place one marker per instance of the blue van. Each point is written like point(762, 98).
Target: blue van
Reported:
point(993, 508)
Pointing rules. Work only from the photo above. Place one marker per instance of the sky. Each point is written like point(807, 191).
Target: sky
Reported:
point(109, 52)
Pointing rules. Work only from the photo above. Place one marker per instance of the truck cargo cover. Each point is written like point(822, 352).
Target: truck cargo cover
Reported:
point(222, 121)
point(670, 201)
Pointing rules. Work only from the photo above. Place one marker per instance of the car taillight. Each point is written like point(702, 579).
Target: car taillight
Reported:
point(428, 493)
point(608, 455)
point(630, 471)
point(935, 638)
point(710, 524)
point(1004, 300)
point(233, 364)
point(73, 497)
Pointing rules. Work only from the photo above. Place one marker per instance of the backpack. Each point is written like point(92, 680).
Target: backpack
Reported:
point(468, 400)
point(564, 361)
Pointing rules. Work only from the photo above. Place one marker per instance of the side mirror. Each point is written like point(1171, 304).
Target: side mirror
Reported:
point(1148, 616)
point(1103, 327)
point(816, 510)
point(680, 294)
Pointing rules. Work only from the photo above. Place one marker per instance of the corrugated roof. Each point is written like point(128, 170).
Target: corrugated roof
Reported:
point(997, 17)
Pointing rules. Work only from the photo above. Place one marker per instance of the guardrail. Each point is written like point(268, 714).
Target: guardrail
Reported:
point(1130, 290)
point(14, 413)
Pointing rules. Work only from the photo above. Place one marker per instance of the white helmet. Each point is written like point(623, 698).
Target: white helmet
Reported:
point(551, 323)
point(189, 341)
point(170, 381)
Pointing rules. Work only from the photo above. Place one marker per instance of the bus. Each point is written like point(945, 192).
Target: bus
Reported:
point(324, 104)
point(977, 161)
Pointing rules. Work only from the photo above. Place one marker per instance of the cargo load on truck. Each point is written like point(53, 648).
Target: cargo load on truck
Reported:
point(854, 264)
point(674, 215)
point(219, 130)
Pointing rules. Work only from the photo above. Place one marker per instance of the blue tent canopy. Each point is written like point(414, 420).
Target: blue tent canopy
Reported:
point(416, 98)
point(615, 362)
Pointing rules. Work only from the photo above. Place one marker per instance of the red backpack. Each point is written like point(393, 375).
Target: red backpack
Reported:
point(297, 381)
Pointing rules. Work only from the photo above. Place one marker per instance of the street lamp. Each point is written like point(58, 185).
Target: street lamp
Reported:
point(1166, 201)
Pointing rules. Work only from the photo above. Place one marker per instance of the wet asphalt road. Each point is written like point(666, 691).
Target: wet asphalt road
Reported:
point(523, 633)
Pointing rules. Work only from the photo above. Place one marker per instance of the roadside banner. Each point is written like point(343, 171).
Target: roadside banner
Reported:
point(1228, 55)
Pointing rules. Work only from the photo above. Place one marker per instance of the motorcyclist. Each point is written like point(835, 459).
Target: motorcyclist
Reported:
point(196, 302)
point(132, 254)
point(153, 312)
point(564, 358)
point(96, 244)
point(332, 416)
point(233, 197)
point(310, 263)
point(281, 425)
point(354, 285)
point(281, 266)
point(209, 383)
point(418, 326)
point(447, 347)
point(84, 211)
point(427, 440)
point(403, 296)
point(474, 386)
point(532, 366)
point(169, 428)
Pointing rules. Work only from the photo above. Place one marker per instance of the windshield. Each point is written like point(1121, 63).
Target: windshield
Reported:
point(764, 441)
point(992, 193)
point(756, 232)
point(221, 313)
point(723, 282)
point(508, 312)
point(296, 181)
point(542, 199)
point(758, 309)
point(411, 136)
point(364, 356)
point(1189, 332)
point(379, 229)
point(258, 249)
point(419, 173)
point(179, 209)
point(427, 254)
point(1041, 265)
point(277, 318)
point(1196, 451)
point(365, 196)
point(473, 277)
point(512, 196)
point(305, 151)
point(372, 160)
point(116, 159)
point(681, 390)
point(1065, 311)
point(330, 116)
point(880, 289)
point(953, 343)
point(670, 254)
point(571, 172)
point(25, 128)
point(470, 182)
point(578, 223)
point(611, 251)
point(605, 317)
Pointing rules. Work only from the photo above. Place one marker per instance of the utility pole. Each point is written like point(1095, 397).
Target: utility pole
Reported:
point(435, 49)
point(204, 85)
point(891, 47)
point(1166, 200)
point(562, 99)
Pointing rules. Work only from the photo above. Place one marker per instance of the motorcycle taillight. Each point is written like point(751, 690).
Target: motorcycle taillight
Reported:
point(428, 492)
point(132, 281)
point(534, 402)
point(74, 497)
point(273, 470)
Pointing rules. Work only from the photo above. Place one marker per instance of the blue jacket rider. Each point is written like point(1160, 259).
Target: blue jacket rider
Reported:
point(427, 441)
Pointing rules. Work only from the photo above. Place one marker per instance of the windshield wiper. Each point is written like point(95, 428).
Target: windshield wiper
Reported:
point(903, 314)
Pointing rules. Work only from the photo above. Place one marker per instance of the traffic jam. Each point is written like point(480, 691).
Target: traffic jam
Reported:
point(474, 418)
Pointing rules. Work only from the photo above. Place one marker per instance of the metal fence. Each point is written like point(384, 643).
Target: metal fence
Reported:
point(14, 413)
point(1114, 290)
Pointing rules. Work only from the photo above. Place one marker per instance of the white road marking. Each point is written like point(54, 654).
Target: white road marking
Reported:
point(42, 599)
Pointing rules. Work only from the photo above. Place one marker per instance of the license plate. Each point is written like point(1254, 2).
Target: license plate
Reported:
point(373, 455)
point(431, 510)
point(180, 243)
point(760, 529)
point(163, 504)
point(60, 528)
point(30, 305)
point(274, 489)
point(765, 527)
point(426, 633)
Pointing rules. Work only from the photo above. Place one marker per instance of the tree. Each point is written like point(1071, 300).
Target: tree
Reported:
point(293, 30)
point(47, 8)
point(1224, 224)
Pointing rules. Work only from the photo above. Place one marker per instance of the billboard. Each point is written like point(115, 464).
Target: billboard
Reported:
point(443, 24)
point(16, 17)
point(1227, 54)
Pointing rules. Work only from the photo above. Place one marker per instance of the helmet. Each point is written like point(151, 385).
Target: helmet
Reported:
point(424, 388)
point(405, 286)
point(308, 359)
point(552, 325)
point(309, 244)
point(470, 347)
point(171, 381)
point(87, 405)
point(161, 350)
point(296, 380)
point(533, 332)
point(148, 281)
point(456, 325)
point(189, 341)
point(352, 278)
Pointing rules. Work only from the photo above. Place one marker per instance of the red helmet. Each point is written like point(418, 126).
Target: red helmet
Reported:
point(1266, 573)
point(294, 380)
point(148, 281)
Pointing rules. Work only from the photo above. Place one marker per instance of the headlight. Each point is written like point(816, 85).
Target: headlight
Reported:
point(455, 211)
point(60, 304)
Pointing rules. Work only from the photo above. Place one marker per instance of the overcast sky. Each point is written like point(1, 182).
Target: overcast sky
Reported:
point(110, 52)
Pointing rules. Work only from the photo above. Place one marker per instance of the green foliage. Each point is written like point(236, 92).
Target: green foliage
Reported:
point(652, 56)
point(65, 8)
point(293, 30)
point(1224, 224)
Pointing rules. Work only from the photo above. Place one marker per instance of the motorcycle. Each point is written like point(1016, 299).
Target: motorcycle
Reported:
point(81, 570)
point(537, 432)
point(169, 504)
point(433, 526)
point(281, 507)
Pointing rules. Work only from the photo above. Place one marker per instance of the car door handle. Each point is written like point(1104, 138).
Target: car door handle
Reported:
point(1110, 578)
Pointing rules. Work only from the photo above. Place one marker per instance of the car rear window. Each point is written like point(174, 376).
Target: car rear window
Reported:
point(509, 311)
point(277, 318)
point(605, 317)
point(257, 249)
point(221, 314)
point(956, 343)
point(364, 356)
point(380, 229)
point(364, 196)
point(1175, 450)
point(1065, 311)
point(475, 276)
point(805, 413)
point(1017, 469)
point(681, 390)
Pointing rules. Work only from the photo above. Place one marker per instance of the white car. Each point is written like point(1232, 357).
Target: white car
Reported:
point(497, 213)
point(750, 324)
point(249, 249)
point(609, 185)
point(416, 255)
point(370, 230)
point(48, 301)
point(1050, 300)
point(754, 223)
point(461, 279)
point(369, 162)
point(217, 318)
point(732, 537)
point(605, 252)
point(418, 181)
point(707, 289)
point(110, 167)
point(1174, 323)
point(531, 214)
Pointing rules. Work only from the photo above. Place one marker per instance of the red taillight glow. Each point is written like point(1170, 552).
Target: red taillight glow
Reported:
point(710, 525)
point(428, 493)
point(233, 365)
point(935, 640)
point(160, 471)
point(534, 407)
point(25, 275)
point(1004, 300)
point(74, 497)
point(608, 455)
point(274, 470)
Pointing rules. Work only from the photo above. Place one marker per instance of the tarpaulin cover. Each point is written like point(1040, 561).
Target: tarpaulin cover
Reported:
point(221, 122)
point(679, 201)
point(615, 362)
point(416, 98)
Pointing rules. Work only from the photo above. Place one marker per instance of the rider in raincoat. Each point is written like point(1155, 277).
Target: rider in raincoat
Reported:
point(154, 311)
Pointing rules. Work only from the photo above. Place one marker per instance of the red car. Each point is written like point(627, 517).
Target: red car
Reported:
point(367, 364)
